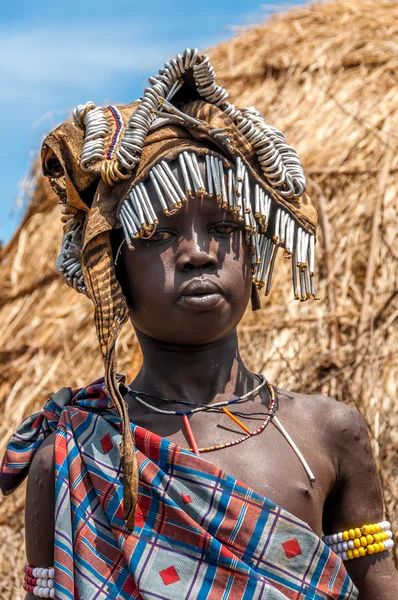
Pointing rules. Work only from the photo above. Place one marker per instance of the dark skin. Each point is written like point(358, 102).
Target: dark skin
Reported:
point(190, 351)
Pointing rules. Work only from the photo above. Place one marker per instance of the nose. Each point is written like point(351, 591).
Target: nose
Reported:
point(192, 256)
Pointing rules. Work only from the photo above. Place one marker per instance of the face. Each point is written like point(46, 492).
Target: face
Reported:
point(190, 283)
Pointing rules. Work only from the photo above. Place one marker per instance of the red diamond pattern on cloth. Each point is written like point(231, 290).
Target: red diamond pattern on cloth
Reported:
point(169, 575)
point(291, 548)
point(106, 443)
point(186, 498)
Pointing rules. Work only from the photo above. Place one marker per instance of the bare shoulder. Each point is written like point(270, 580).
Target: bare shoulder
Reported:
point(345, 435)
point(341, 432)
point(336, 430)
point(318, 403)
point(333, 421)
point(39, 511)
point(43, 461)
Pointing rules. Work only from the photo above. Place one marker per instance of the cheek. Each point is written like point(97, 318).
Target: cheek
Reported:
point(148, 277)
point(237, 278)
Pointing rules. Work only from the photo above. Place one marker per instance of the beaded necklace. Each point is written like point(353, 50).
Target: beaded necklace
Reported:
point(198, 407)
point(249, 433)
point(219, 406)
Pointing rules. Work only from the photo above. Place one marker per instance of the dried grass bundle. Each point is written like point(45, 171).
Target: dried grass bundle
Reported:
point(327, 76)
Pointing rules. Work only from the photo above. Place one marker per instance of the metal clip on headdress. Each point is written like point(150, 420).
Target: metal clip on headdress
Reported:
point(280, 165)
point(119, 143)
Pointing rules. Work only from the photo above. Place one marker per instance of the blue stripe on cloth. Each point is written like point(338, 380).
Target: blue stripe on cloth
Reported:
point(225, 541)
point(209, 577)
point(228, 588)
point(238, 524)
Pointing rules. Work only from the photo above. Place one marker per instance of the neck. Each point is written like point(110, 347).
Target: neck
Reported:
point(195, 373)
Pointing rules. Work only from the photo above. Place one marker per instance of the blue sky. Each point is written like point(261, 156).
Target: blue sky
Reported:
point(56, 55)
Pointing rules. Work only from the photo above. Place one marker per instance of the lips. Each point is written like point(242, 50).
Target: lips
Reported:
point(200, 287)
point(201, 294)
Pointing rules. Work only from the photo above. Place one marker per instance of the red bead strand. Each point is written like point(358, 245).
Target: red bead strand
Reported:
point(245, 437)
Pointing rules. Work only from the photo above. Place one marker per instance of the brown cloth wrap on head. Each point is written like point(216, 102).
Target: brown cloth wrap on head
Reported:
point(97, 204)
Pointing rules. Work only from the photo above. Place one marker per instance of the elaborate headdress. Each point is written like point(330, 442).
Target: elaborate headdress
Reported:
point(97, 166)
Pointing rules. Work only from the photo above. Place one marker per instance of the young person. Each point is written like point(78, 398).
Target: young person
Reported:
point(199, 479)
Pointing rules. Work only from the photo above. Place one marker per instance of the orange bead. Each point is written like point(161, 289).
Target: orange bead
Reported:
point(236, 420)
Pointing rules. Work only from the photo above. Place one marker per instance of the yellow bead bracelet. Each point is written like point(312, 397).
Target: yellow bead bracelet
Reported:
point(361, 541)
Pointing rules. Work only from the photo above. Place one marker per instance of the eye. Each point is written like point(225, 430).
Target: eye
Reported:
point(224, 228)
point(161, 235)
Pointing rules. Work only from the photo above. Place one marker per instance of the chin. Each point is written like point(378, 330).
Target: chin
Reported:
point(194, 322)
point(201, 339)
point(202, 328)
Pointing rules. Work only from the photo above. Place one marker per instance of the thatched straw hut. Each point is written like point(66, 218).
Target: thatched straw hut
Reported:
point(327, 76)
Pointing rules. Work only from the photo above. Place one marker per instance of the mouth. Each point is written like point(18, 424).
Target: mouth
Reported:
point(201, 294)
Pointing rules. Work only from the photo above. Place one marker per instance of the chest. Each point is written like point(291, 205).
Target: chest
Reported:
point(265, 462)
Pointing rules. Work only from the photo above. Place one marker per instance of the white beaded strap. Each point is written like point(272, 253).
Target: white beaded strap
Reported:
point(39, 581)
point(361, 541)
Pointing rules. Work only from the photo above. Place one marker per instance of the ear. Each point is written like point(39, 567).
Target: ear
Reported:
point(255, 298)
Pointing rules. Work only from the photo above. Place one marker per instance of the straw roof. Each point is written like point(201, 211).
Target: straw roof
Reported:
point(326, 75)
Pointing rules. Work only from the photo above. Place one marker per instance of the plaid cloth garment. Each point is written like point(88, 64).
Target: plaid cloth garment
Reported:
point(199, 533)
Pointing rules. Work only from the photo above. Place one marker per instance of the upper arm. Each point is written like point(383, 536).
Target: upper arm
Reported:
point(39, 508)
point(357, 500)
